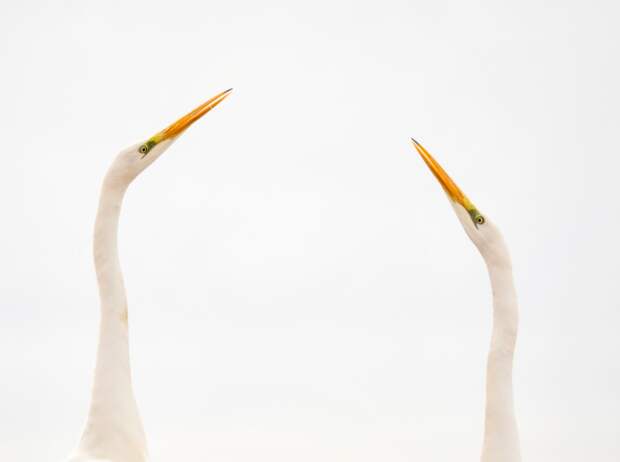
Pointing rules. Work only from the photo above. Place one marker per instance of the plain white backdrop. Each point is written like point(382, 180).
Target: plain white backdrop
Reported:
point(299, 288)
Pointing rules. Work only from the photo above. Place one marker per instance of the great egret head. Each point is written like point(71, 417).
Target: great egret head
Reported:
point(480, 229)
point(133, 160)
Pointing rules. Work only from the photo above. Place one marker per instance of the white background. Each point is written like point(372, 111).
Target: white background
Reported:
point(299, 287)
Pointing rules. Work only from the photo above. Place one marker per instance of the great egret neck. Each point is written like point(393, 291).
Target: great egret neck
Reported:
point(501, 436)
point(113, 431)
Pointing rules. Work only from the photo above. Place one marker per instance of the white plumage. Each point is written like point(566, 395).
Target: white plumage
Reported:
point(501, 436)
point(114, 431)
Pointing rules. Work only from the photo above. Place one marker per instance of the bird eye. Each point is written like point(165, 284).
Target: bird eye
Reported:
point(480, 219)
point(144, 149)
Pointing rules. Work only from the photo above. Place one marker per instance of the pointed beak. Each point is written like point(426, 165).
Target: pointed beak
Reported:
point(449, 186)
point(184, 122)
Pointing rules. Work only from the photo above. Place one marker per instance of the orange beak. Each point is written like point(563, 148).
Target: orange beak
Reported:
point(449, 186)
point(184, 122)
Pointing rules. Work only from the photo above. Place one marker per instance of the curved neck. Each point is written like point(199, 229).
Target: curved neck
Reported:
point(105, 252)
point(114, 428)
point(501, 436)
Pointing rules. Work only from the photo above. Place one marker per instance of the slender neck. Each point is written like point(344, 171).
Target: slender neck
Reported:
point(501, 436)
point(114, 428)
point(105, 252)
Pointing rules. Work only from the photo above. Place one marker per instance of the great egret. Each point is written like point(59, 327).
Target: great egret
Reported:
point(113, 431)
point(501, 436)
